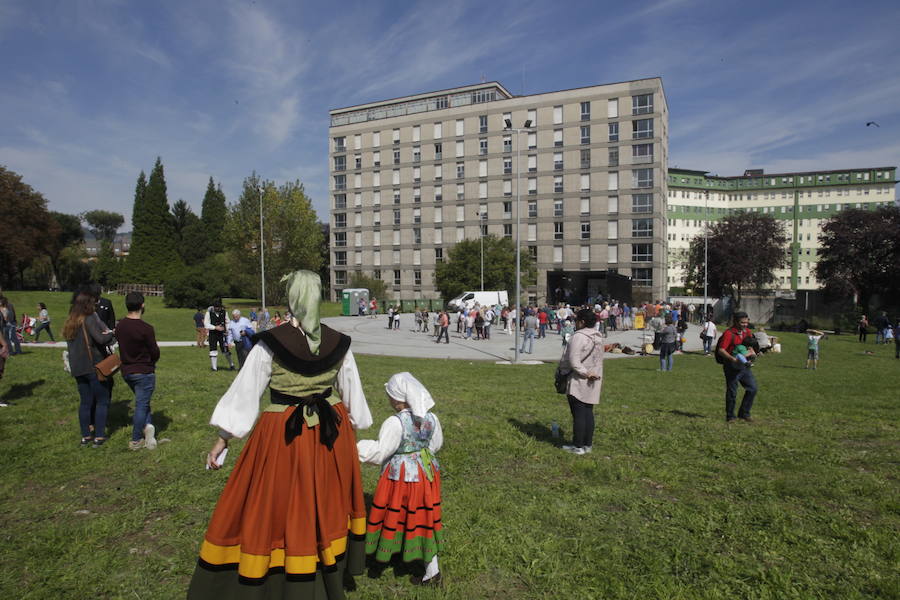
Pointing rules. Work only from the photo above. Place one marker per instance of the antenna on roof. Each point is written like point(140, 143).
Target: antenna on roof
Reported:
point(482, 78)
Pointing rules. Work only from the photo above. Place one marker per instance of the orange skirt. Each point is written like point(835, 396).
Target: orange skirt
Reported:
point(406, 518)
point(293, 509)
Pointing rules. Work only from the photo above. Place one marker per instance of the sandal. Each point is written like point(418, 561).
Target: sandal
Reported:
point(98, 442)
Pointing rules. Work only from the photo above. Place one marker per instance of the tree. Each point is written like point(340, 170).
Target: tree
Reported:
point(187, 227)
point(68, 233)
point(375, 286)
point(199, 285)
point(23, 226)
point(461, 270)
point(153, 254)
point(291, 234)
point(104, 224)
point(744, 251)
point(213, 215)
point(106, 269)
point(860, 254)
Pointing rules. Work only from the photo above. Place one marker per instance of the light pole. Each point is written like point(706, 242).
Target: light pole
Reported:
point(705, 249)
point(518, 305)
point(262, 256)
point(481, 218)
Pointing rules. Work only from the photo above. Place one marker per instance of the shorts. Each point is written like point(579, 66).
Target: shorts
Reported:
point(812, 355)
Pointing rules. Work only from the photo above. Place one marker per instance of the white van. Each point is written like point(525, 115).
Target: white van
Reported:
point(469, 299)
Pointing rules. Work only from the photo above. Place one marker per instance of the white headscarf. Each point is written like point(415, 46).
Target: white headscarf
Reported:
point(403, 387)
point(304, 291)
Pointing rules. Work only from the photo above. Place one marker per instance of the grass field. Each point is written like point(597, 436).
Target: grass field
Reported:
point(672, 503)
point(171, 324)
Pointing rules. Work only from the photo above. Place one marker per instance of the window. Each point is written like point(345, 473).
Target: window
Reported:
point(460, 170)
point(614, 156)
point(558, 230)
point(585, 254)
point(532, 252)
point(482, 123)
point(417, 235)
point(585, 182)
point(376, 159)
point(460, 149)
point(395, 177)
point(641, 203)
point(417, 154)
point(532, 141)
point(642, 178)
point(557, 183)
point(438, 151)
point(642, 153)
point(340, 200)
point(340, 219)
point(507, 165)
point(557, 254)
point(642, 105)
point(483, 146)
point(586, 230)
point(532, 185)
point(613, 181)
point(357, 219)
point(340, 259)
point(642, 128)
point(340, 182)
point(612, 253)
point(460, 234)
point(340, 163)
point(558, 161)
point(460, 191)
point(482, 189)
point(642, 252)
point(532, 163)
point(438, 172)
point(507, 230)
point(507, 143)
point(417, 215)
point(613, 132)
point(557, 208)
point(340, 144)
point(376, 258)
point(585, 134)
point(532, 116)
point(507, 210)
point(586, 111)
point(396, 217)
point(585, 206)
point(396, 157)
point(612, 230)
point(642, 228)
point(507, 187)
point(460, 127)
point(396, 136)
point(417, 275)
point(357, 161)
point(396, 196)
point(460, 213)
point(557, 138)
point(340, 277)
point(438, 193)
point(532, 208)
point(396, 242)
point(340, 238)
point(395, 257)
point(396, 276)
point(417, 174)
point(438, 214)
point(642, 277)
point(532, 232)
point(376, 198)
point(438, 131)
point(612, 108)
point(438, 236)
point(557, 115)
point(376, 218)
point(586, 158)
point(357, 180)
point(438, 255)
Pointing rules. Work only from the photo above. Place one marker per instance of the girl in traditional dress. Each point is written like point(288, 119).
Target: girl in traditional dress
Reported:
point(291, 519)
point(406, 510)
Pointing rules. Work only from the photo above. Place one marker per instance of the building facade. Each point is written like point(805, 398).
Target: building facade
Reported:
point(412, 176)
point(801, 201)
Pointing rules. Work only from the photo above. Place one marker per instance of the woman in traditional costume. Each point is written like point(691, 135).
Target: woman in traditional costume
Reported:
point(291, 519)
point(406, 511)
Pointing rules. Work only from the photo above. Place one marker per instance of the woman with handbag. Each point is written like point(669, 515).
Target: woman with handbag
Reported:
point(88, 339)
point(583, 361)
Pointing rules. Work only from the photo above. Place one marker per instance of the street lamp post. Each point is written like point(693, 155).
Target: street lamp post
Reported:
point(518, 305)
point(262, 257)
point(705, 250)
point(481, 218)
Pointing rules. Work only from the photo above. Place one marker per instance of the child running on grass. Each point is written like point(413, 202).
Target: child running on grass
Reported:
point(812, 357)
point(406, 510)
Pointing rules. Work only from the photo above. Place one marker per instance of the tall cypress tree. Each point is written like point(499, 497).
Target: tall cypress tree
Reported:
point(154, 252)
point(213, 216)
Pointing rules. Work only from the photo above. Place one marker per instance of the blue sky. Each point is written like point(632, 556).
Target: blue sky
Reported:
point(94, 90)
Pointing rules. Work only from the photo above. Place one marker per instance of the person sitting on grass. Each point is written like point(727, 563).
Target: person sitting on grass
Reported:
point(406, 511)
point(812, 356)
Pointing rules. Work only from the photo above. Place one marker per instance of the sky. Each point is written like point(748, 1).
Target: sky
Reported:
point(94, 90)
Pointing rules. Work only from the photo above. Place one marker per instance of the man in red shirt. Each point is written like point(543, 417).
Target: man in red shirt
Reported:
point(735, 370)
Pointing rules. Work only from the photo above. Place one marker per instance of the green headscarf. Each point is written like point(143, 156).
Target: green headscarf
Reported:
point(304, 291)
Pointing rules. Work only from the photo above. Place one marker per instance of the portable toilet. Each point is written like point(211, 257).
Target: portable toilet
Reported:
point(350, 298)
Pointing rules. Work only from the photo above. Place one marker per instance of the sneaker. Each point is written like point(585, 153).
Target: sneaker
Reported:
point(135, 444)
point(574, 449)
point(4, 404)
point(587, 449)
point(98, 442)
point(150, 436)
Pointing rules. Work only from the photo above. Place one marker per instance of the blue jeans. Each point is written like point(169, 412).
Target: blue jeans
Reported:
point(707, 343)
point(142, 384)
point(41, 326)
point(666, 356)
point(745, 377)
point(529, 340)
point(13, 339)
point(94, 404)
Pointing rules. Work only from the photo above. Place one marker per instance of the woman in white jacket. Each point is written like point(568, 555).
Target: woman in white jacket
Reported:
point(583, 359)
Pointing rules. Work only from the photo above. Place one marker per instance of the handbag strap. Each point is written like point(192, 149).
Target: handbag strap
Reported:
point(86, 344)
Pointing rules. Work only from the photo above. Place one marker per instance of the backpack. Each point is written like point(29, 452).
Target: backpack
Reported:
point(721, 344)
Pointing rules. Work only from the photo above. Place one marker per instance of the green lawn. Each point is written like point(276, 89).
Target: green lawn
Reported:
point(171, 324)
point(672, 503)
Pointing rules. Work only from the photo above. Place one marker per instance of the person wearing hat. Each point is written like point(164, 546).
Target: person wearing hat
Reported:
point(738, 334)
point(291, 520)
point(405, 517)
point(216, 321)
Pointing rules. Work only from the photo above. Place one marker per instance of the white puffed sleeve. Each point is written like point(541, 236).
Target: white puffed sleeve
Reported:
point(350, 389)
point(380, 450)
point(237, 410)
point(437, 438)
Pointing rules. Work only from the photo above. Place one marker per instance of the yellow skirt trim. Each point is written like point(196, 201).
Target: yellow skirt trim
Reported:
point(256, 566)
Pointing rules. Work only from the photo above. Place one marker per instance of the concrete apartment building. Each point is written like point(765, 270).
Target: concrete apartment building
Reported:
point(802, 201)
point(412, 176)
